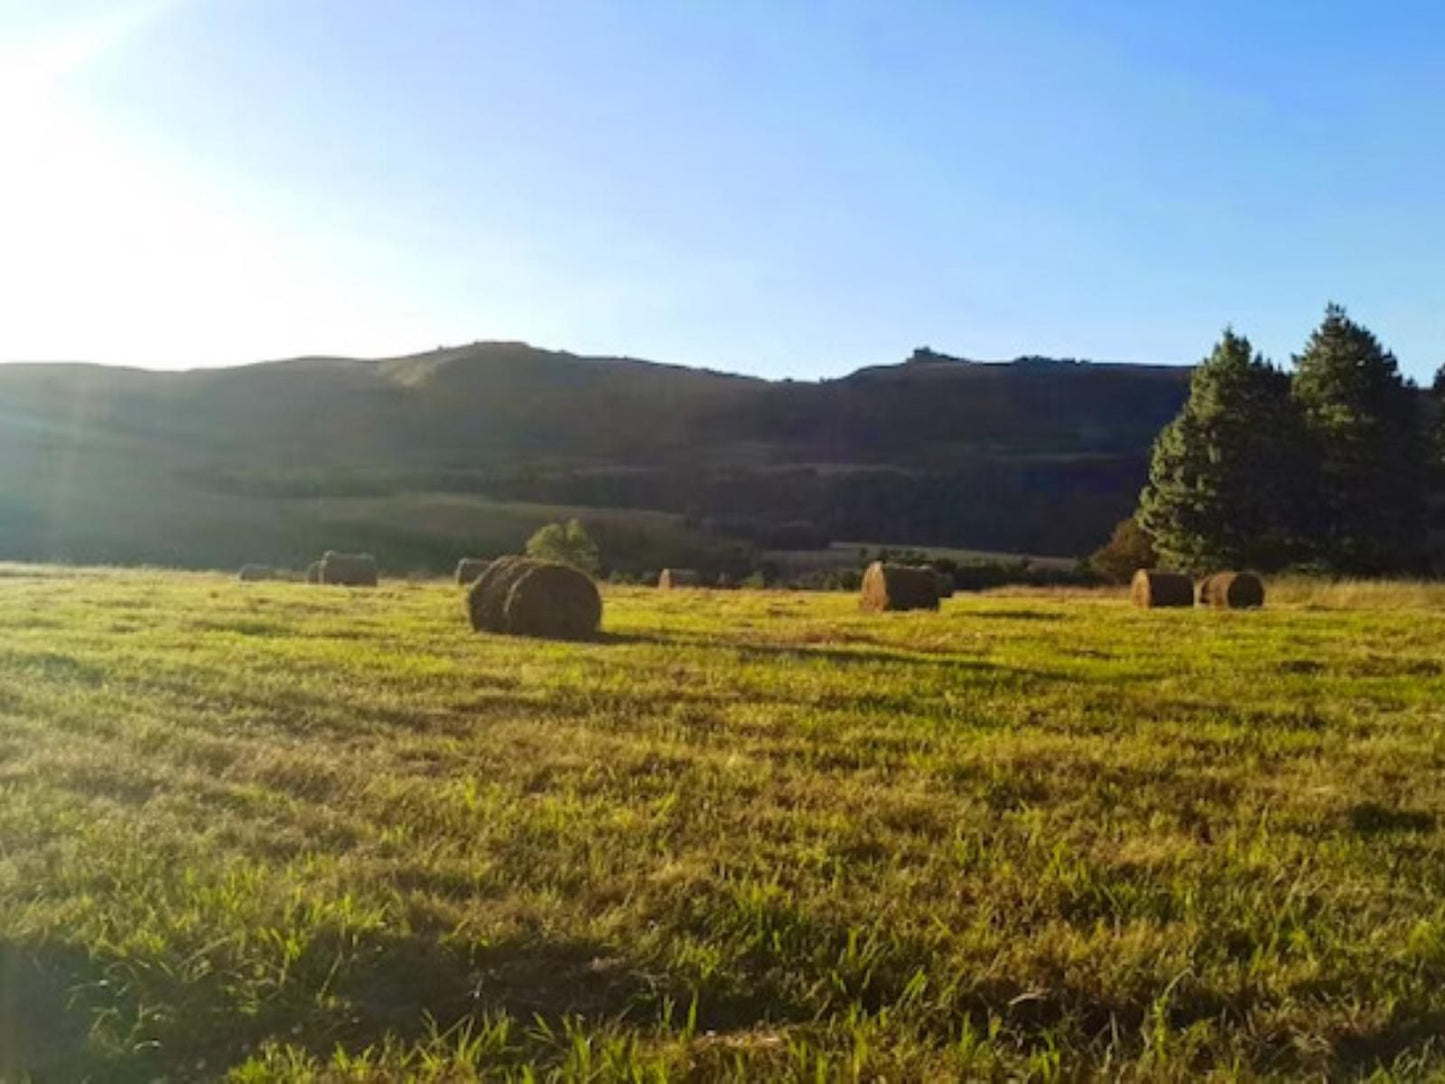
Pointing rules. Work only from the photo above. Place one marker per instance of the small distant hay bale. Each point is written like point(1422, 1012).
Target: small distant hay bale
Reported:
point(348, 569)
point(1152, 589)
point(257, 573)
point(313, 572)
point(469, 569)
point(678, 577)
point(898, 587)
point(553, 601)
point(487, 597)
point(945, 583)
point(1232, 591)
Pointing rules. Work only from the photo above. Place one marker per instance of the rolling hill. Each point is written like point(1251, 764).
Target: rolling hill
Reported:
point(268, 461)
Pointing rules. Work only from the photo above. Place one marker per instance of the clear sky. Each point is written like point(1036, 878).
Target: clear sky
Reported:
point(765, 186)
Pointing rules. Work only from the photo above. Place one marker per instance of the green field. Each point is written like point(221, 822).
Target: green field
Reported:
point(282, 832)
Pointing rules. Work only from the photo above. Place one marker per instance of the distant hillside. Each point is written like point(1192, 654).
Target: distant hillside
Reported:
point(1030, 456)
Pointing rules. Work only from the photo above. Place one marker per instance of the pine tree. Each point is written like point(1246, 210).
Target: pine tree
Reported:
point(1436, 428)
point(1222, 478)
point(1362, 422)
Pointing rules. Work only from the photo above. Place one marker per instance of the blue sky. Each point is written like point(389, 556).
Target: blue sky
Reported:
point(772, 187)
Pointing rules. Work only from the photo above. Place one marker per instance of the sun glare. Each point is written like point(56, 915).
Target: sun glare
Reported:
point(109, 239)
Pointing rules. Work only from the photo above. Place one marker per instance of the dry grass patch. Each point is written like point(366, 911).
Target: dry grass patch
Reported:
point(289, 834)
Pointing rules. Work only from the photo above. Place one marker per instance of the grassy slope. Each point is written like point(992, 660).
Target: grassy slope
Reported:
point(83, 488)
point(114, 500)
point(103, 465)
point(752, 834)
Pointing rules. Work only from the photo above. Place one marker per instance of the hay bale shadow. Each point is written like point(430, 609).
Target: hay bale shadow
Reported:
point(1373, 819)
point(1015, 615)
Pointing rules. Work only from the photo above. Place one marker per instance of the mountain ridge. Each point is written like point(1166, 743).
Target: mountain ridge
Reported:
point(1031, 455)
point(921, 356)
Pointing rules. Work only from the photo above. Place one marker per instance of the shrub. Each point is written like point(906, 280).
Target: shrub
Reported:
point(1129, 549)
point(568, 544)
point(827, 579)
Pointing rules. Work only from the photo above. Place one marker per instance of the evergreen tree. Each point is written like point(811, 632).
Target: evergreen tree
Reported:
point(1222, 478)
point(1436, 429)
point(1362, 421)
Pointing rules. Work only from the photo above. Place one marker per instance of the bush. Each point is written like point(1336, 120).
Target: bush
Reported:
point(982, 575)
point(568, 545)
point(827, 579)
point(891, 556)
point(1128, 550)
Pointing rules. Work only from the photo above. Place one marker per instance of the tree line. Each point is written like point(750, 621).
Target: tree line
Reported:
point(1327, 467)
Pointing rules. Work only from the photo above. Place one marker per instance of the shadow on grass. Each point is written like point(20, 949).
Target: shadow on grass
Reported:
point(651, 639)
point(1014, 615)
point(300, 710)
point(1406, 1034)
point(1373, 819)
point(400, 979)
point(66, 1014)
point(932, 661)
point(876, 654)
point(40, 1035)
point(834, 656)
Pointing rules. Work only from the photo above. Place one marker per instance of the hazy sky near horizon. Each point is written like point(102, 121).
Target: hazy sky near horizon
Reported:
point(764, 186)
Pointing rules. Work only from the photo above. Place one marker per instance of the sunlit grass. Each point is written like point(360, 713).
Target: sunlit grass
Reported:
point(303, 833)
point(1358, 594)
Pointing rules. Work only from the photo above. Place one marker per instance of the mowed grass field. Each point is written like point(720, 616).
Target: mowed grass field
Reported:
point(270, 831)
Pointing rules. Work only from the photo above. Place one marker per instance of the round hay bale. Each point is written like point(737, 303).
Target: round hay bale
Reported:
point(672, 578)
point(256, 573)
point(898, 587)
point(469, 568)
point(1232, 591)
point(1152, 589)
point(313, 572)
point(487, 597)
point(348, 569)
point(945, 583)
point(554, 601)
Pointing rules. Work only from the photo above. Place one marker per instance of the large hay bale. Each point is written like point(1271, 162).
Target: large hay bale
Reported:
point(677, 577)
point(898, 587)
point(554, 601)
point(348, 569)
point(1152, 589)
point(469, 569)
point(256, 573)
point(487, 597)
point(313, 572)
point(945, 583)
point(1232, 591)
